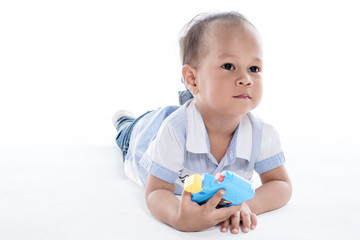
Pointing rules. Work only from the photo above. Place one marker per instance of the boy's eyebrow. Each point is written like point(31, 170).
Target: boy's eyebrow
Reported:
point(229, 55)
point(226, 55)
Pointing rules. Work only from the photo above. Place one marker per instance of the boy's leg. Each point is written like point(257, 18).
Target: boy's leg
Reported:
point(122, 120)
point(124, 125)
point(121, 117)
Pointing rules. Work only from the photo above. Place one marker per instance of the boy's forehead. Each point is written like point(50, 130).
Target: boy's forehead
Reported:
point(222, 36)
point(243, 33)
point(225, 28)
point(220, 32)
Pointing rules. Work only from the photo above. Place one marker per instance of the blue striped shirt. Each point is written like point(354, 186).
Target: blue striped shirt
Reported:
point(172, 143)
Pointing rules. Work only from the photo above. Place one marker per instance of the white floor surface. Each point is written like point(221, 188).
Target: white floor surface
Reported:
point(76, 189)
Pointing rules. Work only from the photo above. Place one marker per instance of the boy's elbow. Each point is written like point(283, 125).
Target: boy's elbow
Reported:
point(287, 191)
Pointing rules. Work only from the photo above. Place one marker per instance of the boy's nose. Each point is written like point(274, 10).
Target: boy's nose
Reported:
point(244, 80)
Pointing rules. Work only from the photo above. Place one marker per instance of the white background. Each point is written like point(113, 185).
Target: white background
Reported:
point(76, 62)
point(67, 66)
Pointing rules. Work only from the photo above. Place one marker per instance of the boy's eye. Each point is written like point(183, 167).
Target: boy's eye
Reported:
point(254, 69)
point(228, 66)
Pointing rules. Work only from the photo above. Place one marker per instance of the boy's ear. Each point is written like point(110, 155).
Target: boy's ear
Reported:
point(189, 77)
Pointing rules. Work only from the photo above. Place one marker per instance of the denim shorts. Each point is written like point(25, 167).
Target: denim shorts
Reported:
point(123, 137)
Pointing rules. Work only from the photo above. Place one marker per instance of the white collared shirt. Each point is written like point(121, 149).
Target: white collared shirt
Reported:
point(180, 147)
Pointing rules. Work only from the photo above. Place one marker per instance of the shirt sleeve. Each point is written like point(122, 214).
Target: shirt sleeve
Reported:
point(271, 154)
point(165, 155)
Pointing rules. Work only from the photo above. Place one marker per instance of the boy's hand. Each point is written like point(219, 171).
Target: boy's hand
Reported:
point(193, 217)
point(247, 218)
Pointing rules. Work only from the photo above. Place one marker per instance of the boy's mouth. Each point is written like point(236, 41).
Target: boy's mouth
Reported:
point(243, 96)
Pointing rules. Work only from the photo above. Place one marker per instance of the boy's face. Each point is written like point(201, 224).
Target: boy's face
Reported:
point(228, 75)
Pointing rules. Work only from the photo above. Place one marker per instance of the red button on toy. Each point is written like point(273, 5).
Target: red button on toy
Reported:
point(219, 177)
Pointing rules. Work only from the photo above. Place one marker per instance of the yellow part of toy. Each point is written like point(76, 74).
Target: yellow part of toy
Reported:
point(193, 183)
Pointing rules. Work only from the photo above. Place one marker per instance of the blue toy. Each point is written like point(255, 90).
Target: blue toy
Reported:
point(203, 187)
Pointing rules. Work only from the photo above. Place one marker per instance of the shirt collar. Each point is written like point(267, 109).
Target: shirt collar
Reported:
point(244, 138)
point(197, 140)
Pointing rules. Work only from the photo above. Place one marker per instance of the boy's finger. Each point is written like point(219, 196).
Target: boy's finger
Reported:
point(253, 221)
point(226, 212)
point(225, 225)
point(245, 226)
point(214, 200)
point(235, 223)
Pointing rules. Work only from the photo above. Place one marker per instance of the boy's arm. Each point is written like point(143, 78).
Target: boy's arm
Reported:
point(274, 192)
point(184, 214)
point(160, 195)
